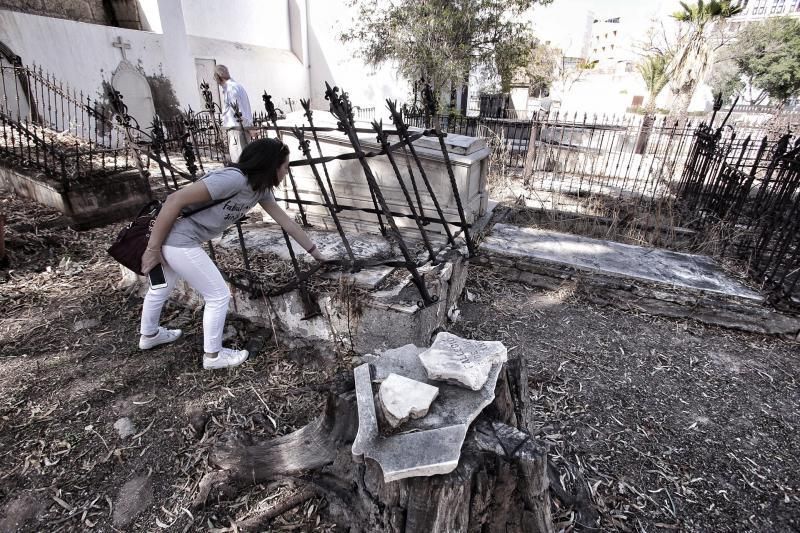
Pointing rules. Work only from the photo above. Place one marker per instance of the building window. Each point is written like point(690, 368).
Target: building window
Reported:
point(777, 7)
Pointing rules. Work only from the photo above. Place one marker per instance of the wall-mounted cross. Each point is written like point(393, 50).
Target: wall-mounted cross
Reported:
point(122, 45)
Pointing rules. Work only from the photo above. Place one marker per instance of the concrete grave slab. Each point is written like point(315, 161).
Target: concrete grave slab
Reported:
point(430, 445)
point(649, 264)
point(462, 361)
point(456, 144)
point(469, 162)
point(402, 398)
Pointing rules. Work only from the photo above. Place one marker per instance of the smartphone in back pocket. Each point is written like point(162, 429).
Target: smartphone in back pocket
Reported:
point(157, 278)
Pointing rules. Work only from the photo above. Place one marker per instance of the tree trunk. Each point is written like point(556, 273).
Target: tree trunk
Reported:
point(501, 483)
point(644, 134)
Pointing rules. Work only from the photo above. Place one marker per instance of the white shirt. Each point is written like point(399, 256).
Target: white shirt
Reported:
point(232, 93)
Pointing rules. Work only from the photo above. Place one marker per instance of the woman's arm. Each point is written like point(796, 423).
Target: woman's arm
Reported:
point(292, 228)
point(193, 194)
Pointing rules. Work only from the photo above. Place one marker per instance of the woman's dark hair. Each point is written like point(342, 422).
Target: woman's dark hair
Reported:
point(260, 160)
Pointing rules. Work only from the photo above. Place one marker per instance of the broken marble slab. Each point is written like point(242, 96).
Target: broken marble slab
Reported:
point(402, 398)
point(429, 445)
point(463, 361)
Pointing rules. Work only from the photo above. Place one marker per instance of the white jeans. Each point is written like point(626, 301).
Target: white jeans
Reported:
point(237, 140)
point(194, 266)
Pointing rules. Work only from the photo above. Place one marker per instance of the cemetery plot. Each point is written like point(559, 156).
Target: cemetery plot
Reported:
point(649, 420)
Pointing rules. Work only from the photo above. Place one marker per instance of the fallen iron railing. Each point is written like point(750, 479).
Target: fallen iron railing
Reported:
point(157, 145)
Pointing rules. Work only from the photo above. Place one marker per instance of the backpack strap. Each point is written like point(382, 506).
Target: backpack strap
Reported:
point(191, 212)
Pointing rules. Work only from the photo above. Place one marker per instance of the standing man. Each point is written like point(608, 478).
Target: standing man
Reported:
point(233, 94)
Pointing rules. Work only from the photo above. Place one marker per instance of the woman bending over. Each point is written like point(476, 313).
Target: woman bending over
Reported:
point(176, 242)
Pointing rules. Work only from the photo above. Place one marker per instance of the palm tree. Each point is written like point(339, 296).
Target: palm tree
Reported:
point(655, 74)
point(695, 54)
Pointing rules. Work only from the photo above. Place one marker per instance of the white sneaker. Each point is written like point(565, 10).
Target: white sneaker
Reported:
point(163, 336)
point(226, 358)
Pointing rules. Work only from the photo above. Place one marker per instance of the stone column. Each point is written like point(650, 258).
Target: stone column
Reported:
point(298, 37)
point(178, 59)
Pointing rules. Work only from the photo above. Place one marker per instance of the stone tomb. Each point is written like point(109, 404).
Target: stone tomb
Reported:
point(389, 314)
point(468, 157)
point(431, 444)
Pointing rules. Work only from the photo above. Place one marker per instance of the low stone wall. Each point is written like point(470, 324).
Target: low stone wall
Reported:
point(91, 203)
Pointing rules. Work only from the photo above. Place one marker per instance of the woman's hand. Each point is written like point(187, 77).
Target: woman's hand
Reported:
point(150, 258)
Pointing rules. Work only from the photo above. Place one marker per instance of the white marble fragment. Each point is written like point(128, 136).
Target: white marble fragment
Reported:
point(462, 361)
point(402, 398)
point(427, 446)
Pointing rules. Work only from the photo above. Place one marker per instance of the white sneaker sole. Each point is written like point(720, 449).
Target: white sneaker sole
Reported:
point(147, 346)
point(217, 366)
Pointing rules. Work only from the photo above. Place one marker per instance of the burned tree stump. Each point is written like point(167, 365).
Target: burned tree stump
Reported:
point(501, 482)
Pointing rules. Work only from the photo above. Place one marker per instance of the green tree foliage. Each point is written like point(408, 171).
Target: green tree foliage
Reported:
point(725, 79)
point(443, 40)
point(655, 75)
point(769, 56)
point(542, 66)
point(694, 53)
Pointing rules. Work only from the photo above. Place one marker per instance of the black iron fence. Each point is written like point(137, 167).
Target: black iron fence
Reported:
point(198, 136)
point(52, 128)
point(630, 157)
point(751, 203)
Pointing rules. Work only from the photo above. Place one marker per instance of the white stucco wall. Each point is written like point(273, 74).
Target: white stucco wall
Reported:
point(602, 93)
point(267, 44)
point(279, 72)
point(332, 61)
point(81, 55)
point(254, 22)
point(149, 15)
point(77, 53)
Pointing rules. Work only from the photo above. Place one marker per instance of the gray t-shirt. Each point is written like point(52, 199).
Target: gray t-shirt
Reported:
point(209, 224)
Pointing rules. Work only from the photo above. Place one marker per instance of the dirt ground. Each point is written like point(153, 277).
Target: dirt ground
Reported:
point(669, 425)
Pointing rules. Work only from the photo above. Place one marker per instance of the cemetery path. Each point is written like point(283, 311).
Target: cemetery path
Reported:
point(672, 425)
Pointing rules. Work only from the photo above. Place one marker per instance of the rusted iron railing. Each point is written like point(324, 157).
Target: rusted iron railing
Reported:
point(52, 128)
point(158, 143)
point(752, 202)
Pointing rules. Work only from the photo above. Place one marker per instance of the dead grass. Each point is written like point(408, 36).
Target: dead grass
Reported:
point(658, 424)
point(70, 369)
